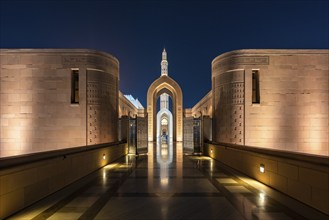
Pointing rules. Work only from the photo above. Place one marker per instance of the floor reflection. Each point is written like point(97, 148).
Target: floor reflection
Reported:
point(167, 183)
point(164, 156)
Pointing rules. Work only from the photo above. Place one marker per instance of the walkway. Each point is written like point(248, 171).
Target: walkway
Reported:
point(167, 184)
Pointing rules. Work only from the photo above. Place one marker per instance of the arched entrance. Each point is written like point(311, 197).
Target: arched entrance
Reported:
point(165, 84)
point(164, 129)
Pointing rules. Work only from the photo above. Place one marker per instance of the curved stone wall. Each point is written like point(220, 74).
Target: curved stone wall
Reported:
point(37, 112)
point(291, 112)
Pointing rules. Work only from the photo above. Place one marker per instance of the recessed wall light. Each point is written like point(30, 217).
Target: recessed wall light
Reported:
point(262, 168)
point(104, 156)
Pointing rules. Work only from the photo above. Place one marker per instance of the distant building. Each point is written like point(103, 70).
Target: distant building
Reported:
point(134, 101)
point(129, 106)
point(165, 123)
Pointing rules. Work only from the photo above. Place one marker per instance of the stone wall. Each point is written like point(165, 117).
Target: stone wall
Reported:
point(188, 132)
point(229, 107)
point(207, 128)
point(142, 142)
point(292, 113)
point(301, 176)
point(27, 179)
point(203, 110)
point(37, 113)
point(102, 107)
point(123, 128)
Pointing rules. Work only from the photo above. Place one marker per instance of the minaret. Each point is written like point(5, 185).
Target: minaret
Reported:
point(164, 98)
point(164, 63)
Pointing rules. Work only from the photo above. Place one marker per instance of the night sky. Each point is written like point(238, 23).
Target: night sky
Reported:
point(193, 33)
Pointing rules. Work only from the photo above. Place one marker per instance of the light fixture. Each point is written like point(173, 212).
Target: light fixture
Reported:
point(104, 156)
point(262, 196)
point(262, 168)
point(261, 199)
point(210, 150)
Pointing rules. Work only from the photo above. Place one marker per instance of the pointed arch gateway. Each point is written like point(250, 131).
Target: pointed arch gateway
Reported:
point(165, 84)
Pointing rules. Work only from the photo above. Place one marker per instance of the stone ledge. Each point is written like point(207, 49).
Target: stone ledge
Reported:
point(9, 162)
point(304, 177)
point(302, 157)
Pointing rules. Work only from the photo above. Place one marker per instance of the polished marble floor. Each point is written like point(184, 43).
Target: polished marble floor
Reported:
point(168, 183)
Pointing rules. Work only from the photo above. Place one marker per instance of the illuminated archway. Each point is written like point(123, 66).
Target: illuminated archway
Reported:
point(165, 84)
point(164, 116)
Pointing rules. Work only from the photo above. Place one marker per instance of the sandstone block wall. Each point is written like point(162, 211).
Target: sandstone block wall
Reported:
point(292, 113)
point(142, 142)
point(188, 132)
point(207, 128)
point(45, 173)
point(36, 113)
point(102, 107)
point(301, 176)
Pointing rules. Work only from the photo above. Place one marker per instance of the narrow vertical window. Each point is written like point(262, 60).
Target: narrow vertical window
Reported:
point(255, 87)
point(75, 86)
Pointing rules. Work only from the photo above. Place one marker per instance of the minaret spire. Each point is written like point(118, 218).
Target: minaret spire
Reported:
point(164, 63)
point(164, 98)
point(164, 54)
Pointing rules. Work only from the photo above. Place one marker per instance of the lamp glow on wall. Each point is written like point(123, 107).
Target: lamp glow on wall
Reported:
point(104, 156)
point(262, 168)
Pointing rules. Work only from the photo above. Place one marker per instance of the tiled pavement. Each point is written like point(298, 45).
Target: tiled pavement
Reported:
point(167, 183)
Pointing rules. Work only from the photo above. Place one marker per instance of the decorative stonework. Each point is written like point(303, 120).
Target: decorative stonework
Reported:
point(101, 98)
point(36, 103)
point(91, 61)
point(223, 64)
point(188, 132)
point(292, 109)
point(168, 85)
point(229, 109)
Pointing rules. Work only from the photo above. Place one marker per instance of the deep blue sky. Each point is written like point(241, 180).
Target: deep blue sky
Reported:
point(193, 33)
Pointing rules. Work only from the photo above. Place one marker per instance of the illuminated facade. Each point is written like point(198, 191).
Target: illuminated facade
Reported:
point(164, 115)
point(165, 123)
point(128, 106)
point(266, 107)
point(55, 99)
point(272, 99)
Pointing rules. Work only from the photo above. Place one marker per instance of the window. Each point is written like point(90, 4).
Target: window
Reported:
point(255, 87)
point(75, 86)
